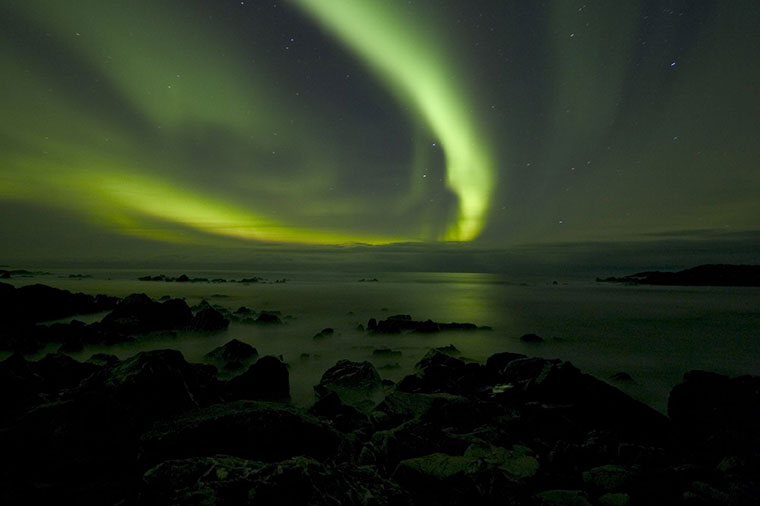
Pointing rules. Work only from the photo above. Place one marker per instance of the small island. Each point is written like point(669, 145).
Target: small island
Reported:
point(703, 275)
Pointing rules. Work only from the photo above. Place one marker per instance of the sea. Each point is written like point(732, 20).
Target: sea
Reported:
point(653, 333)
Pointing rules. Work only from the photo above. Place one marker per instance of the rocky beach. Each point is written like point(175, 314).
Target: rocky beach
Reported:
point(155, 429)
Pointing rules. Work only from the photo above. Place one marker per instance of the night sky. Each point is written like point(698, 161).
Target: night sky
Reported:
point(496, 123)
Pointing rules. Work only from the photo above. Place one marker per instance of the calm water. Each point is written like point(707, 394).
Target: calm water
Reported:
point(653, 333)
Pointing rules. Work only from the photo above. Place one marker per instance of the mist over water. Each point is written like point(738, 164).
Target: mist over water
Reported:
point(653, 333)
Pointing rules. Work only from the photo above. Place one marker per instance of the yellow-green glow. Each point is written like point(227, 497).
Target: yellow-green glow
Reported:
point(129, 200)
point(390, 39)
point(120, 149)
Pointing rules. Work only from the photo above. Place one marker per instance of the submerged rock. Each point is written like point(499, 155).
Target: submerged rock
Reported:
point(208, 320)
point(266, 318)
point(232, 354)
point(326, 332)
point(531, 338)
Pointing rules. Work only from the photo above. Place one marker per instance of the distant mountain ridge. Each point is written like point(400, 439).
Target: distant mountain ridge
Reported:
point(703, 275)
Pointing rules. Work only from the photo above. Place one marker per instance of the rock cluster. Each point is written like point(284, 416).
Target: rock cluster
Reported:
point(22, 310)
point(400, 323)
point(517, 430)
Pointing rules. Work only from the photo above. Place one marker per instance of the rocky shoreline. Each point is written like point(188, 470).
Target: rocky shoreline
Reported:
point(154, 429)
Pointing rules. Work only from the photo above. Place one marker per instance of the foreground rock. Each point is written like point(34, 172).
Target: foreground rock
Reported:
point(299, 481)
point(716, 416)
point(79, 445)
point(249, 429)
point(155, 429)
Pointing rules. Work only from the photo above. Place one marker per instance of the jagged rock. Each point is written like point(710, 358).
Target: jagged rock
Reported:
point(267, 379)
point(250, 429)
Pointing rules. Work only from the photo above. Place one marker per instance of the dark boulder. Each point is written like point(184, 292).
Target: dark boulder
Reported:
point(61, 371)
point(715, 415)
point(267, 379)
point(138, 313)
point(21, 386)
point(343, 417)
point(589, 402)
point(83, 444)
point(356, 383)
point(498, 361)
point(441, 372)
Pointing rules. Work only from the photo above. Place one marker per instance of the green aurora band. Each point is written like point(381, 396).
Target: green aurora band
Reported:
point(64, 154)
point(391, 42)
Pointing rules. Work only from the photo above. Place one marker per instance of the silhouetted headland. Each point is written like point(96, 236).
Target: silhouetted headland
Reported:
point(703, 275)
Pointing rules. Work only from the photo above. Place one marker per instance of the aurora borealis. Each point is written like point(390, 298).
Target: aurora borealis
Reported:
point(359, 121)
